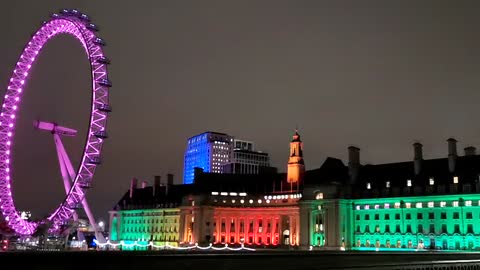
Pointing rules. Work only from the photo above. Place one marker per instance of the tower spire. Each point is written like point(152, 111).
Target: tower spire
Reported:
point(296, 166)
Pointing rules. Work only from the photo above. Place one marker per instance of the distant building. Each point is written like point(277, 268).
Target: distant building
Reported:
point(216, 152)
point(208, 151)
point(245, 160)
point(243, 145)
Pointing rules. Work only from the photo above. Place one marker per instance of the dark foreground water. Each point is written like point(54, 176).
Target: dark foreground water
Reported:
point(264, 260)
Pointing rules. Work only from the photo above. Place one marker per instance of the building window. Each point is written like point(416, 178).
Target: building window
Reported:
point(358, 229)
point(469, 215)
point(444, 228)
point(387, 184)
point(420, 228)
point(443, 204)
point(456, 215)
point(397, 205)
point(387, 228)
point(377, 216)
point(419, 216)
point(470, 228)
point(432, 181)
point(443, 215)
point(367, 217)
point(432, 228)
point(455, 179)
point(369, 186)
point(430, 204)
point(387, 216)
point(431, 215)
point(455, 204)
point(397, 216)
point(409, 228)
point(409, 183)
point(397, 228)
point(456, 228)
point(319, 196)
point(358, 217)
point(408, 205)
point(408, 216)
point(419, 205)
point(468, 203)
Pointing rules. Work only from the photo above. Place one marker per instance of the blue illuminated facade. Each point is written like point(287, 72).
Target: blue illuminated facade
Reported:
point(208, 151)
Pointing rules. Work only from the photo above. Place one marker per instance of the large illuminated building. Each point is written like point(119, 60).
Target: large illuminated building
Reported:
point(423, 203)
point(208, 151)
point(419, 204)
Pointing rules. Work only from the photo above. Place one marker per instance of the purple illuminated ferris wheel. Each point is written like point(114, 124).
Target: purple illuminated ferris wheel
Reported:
point(74, 23)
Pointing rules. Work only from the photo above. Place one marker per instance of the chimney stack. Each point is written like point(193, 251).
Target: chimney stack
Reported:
point(144, 184)
point(470, 151)
point(156, 184)
point(133, 186)
point(169, 179)
point(417, 157)
point(452, 154)
point(353, 163)
point(169, 182)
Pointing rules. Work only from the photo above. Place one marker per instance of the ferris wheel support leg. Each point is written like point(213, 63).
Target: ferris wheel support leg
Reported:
point(71, 173)
point(66, 178)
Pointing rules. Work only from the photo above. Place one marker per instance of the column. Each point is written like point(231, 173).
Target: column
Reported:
point(217, 229)
point(305, 225)
point(197, 219)
point(228, 227)
point(182, 227)
point(237, 229)
point(297, 229)
point(255, 229)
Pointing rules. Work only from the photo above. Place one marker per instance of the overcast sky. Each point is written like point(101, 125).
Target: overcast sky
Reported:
point(379, 75)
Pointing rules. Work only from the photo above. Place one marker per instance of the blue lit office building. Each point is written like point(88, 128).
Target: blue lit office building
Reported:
point(208, 151)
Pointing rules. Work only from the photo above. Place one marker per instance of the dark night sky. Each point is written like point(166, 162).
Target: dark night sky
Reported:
point(376, 74)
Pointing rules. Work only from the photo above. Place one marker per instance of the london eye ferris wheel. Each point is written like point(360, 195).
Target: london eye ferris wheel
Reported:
point(76, 181)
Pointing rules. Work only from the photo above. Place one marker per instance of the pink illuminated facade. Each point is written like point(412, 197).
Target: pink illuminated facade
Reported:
point(275, 224)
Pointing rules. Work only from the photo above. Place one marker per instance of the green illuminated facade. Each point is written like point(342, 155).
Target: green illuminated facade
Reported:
point(159, 226)
point(449, 222)
point(418, 205)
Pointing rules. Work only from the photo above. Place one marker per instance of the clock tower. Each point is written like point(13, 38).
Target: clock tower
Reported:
point(296, 166)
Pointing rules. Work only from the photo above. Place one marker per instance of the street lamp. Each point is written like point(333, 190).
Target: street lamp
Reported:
point(101, 224)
